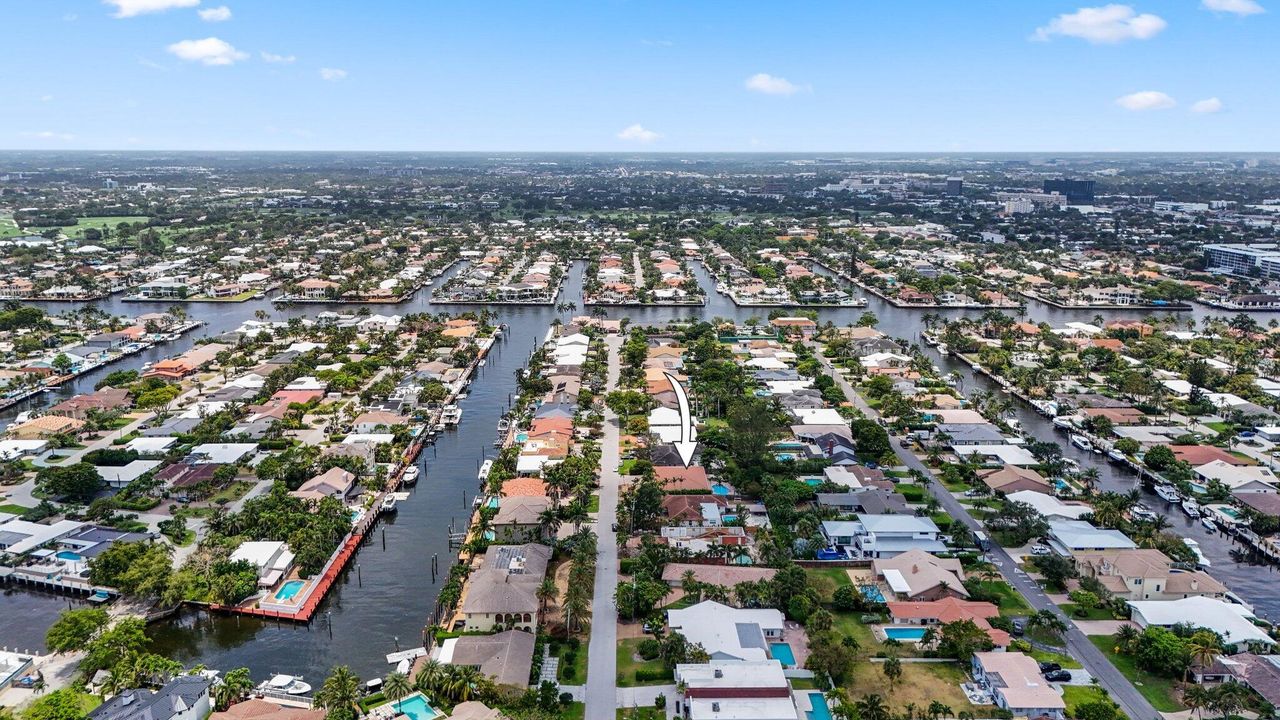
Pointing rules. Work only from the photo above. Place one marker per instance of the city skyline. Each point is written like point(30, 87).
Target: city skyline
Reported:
point(618, 77)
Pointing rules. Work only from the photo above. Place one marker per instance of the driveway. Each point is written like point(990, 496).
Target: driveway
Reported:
point(602, 657)
point(1078, 646)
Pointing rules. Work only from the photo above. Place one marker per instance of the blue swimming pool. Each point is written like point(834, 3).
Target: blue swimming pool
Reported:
point(416, 708)
point(522, 438)
point(289, 589)
point(68, 555)
point(493, 502)
point(872, 593)
point(783, 457)
point(813, 482)
point(781, 652)
point(912, 634)
point(719, 489)
point(820, 710)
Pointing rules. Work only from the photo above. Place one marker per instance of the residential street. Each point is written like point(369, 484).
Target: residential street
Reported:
point(1078, 646)
point(602, 659)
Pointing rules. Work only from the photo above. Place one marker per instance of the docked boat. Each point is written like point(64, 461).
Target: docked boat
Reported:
point(1116, 455)
point(1208, 524)
point(388, 504)
point(1140, 512)
point(451, 415)
point(1201, 561)
point(410, 476)
point(1082, 442)
point(482, 362)
point(1168, 493)
point(1191, 508)
point(287, 684)
point(1063, 421)
point(858, 302)
point(484, 470)
point(503, 425)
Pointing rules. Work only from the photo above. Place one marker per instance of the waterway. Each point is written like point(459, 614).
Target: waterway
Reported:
point(384, 599)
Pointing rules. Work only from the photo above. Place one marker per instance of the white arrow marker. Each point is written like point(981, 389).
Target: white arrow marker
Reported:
point(688, 435)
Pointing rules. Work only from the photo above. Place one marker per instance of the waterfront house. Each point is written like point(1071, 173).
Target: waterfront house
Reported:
point(1146, 574)
point(185, 697)
point(1239, 479)
point(728, 633)
point(505, 657)
point(519, 518)
point(502, 594)
point(272, 559)
point(106, 399)
point(1231, 621)
point(1069, 537)
point(1016, 684)
point(949, 610)
point(1012, 479)
point(45, 427)
point(335, 483)
point(255, 709)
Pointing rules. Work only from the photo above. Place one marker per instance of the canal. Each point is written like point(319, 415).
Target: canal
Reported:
point(384, 599)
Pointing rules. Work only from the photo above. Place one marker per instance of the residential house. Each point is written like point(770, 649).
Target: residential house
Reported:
point(185, 697)
point(503, 592)
point(918, 576)
point(1146, 574)
point(1017, 685)
point(728, 633)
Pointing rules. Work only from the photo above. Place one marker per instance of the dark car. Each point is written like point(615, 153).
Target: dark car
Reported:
point(1019, 627)
point(1049, 667)
point(1058, 676)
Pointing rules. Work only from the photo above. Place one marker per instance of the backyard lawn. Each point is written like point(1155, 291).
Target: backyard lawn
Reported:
point(574, 673)
point(1076, 695)
point(13, 509)
point(921, 684)
point(641, 713)
point(1097, 613)
point(826, 580)
point(1157, 690)
point(1065, 661)
point(848, 624)
point(628, 664)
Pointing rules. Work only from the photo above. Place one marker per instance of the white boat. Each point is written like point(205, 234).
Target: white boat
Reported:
point(410, 476)
point(1208, 524)
point(1191, 508)
point(1062, 421)
point(503, 425)
point(388, 504)
point(858, 302)
point(1168, 493)
point(1116, 455)
point(287, 684)
point(482, 362)
point(1201, 560)
point(484, 470)
point(1082, 442)
point(1141, 513)
point(451, 415)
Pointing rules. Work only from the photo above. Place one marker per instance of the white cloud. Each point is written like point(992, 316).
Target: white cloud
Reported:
point(209, 51)
point(1145, 100)
point(133, 8)
point(638, 133)
point(1106, 24)
point(50, 135)
point(1235, 7)
point(222, 13)
point(1208, 105)
point(46, 98)
point(333, 74)
point(771, 85)
point(273, 58)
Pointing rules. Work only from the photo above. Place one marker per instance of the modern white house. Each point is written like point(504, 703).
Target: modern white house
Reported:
point(742, 690)
point(272, 559)
point(1232, 621)
point(728, 633)
point(883, 536)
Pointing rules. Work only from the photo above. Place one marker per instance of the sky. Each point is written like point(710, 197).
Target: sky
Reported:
point(615, 75)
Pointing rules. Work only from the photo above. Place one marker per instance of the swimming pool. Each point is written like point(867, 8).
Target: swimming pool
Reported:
point(493, 502)
point(872, 593)
point(719, 489)
point(68, 555)
point(909, 634)
point(783, 457)
point(289, 589)
point(729, 518)
point(813, 482)
point(781, 652)
point(820, 710)
point(415, 706)
point(522, 438)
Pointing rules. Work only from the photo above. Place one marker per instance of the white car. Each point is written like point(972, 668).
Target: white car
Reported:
point(1040, 550)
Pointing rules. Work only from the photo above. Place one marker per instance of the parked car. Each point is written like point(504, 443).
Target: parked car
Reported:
point(1046, 667)
point(1058, 676)
point(1040, 549)
point(1019, 627)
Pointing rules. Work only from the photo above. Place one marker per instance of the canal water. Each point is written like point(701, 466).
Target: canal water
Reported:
point(384, 599)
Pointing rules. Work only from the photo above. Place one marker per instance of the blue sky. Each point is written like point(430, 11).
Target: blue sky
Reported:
point(610, 75)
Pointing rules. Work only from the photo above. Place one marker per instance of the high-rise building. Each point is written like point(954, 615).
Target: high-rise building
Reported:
point(955, 186)
point(1241, 259)
point(1078, 192)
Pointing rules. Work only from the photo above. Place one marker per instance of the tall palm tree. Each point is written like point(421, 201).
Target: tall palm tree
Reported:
point(871, 707)
point(340, 690)
point(396, 686)
point(427, 679)
point(1196, 698)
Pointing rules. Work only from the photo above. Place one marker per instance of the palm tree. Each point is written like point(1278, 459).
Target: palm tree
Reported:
point(396, 686)
point(548, 522)
point(233, 686)
point(1202, 654)
point(1049, 622)
point(1196, 698)
point(427, 679)
point(871, 707)
point(1127, 636)
point(547, 593)
point(341, 690)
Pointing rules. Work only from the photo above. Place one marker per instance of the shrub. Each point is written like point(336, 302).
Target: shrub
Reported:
point(649, 649)
point(644, 675)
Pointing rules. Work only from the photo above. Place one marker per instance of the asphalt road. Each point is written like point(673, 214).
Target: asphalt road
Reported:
point(602, 656)
point(1078, 646)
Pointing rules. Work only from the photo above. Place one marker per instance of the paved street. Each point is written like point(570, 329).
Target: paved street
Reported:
point(602, 659)
point(1078, 646)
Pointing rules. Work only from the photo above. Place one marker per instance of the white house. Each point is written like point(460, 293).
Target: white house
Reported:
point(728, 633)
point(1233, 622)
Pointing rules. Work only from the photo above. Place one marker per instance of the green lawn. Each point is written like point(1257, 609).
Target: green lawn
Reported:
point(594, 504)
point(1077, 695)
point(849, 624)
point(13, 509)
point(920, 684)
point(1158, 691)
point(628, 664)
point(803, 684)
point(574, 673)
point(826, 580)
point(84, 223)
point(232, 492)
point(573, 711)
point(1065, 661)
point(8, 228)
point(641, 713)
point(626, 466)
point(1011, 601)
